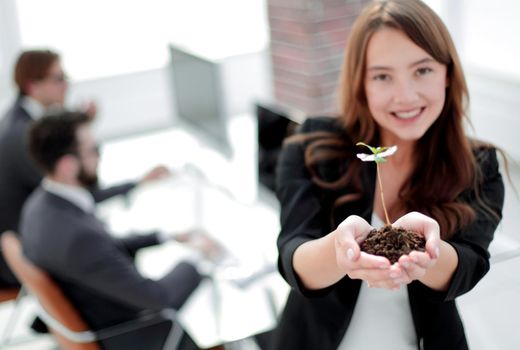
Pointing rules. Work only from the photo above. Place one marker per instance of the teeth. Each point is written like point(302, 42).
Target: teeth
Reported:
point(408, 115)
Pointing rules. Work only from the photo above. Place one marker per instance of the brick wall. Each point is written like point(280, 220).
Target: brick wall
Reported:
point(307, 42)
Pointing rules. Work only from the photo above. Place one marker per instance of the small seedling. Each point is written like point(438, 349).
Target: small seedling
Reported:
point(378, 155)
point(390, 242)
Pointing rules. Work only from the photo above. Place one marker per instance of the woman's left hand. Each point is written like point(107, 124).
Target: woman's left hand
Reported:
point(414, 266)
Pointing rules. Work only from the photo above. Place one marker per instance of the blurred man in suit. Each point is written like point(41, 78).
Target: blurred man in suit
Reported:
point(61, 234)
point(42, 86)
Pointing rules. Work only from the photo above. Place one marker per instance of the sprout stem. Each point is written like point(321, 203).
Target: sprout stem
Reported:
point(382, 194)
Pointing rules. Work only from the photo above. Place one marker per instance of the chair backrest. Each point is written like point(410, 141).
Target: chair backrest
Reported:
point(50, 296)
point(8, 294)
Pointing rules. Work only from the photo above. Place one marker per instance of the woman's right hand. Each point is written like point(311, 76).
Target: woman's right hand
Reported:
point(376, 270)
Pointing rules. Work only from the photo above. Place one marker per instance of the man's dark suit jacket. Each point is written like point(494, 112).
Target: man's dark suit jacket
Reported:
point(19, 177)
point(96, 271)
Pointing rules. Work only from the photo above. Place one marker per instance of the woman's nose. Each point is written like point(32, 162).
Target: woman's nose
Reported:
point(405, 92)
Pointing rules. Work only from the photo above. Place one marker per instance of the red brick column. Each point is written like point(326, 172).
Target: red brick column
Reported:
point(307, 42)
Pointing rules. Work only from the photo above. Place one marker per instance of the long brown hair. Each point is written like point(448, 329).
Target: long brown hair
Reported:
point(444, 163)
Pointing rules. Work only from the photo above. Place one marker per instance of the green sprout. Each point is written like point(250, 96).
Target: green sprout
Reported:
point(378, 155)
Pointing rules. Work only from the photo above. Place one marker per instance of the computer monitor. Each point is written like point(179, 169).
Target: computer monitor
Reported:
point(274, 125)
point(199, 97)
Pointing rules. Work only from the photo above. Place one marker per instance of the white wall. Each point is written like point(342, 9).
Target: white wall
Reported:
point(495, 106)
point(10, 42)
point(486, 35)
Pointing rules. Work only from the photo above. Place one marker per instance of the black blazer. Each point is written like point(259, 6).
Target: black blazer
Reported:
point(318, 319)
point(95, 270)
point(19, 177)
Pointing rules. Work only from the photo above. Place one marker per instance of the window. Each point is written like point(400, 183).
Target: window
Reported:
point(100, 38)
point(485, 33)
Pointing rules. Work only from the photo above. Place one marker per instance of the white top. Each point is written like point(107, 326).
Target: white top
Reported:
point(77, 195)
point(382, 318)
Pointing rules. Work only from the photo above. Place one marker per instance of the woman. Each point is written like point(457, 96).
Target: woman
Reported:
point(402, 84)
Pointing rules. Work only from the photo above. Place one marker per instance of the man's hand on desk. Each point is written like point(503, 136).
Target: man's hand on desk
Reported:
point(157, 173)
point(202, 242)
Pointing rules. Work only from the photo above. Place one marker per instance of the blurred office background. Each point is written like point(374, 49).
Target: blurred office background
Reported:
point(123, 55)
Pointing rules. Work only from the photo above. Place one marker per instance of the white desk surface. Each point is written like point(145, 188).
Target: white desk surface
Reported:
point(221, 199)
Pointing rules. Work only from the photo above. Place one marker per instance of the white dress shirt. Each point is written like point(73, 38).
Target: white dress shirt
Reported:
point(34, 108)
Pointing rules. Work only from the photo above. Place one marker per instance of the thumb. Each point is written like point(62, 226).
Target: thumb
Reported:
point(433, 246)
point(353, 229)
point(431, 232)
point(353, 251)
point(346, 244)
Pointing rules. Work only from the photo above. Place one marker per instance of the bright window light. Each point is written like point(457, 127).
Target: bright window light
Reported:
point(99, 38)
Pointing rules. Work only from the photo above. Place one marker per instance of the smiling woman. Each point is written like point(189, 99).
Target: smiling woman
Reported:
point(402, 84)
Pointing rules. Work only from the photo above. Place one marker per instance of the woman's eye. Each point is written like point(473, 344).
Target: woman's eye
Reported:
point(424, 70)
point(381, 77)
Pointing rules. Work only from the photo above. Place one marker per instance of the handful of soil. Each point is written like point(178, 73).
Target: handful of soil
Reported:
point(392, 242)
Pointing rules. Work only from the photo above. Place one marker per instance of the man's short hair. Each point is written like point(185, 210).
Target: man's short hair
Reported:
point(54, 136)
point(33, 65)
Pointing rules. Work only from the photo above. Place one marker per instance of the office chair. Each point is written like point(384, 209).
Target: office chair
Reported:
point(63, 320)
point(7, 294)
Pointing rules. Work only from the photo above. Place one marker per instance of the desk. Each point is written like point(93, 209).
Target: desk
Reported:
point(219, 310)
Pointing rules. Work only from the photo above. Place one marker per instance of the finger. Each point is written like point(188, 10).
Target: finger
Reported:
point(418, 222)
point(432, 246)
point(357, 226)
point(414, 272)
point(425, 226)
point(347, 249)
point(163, 169)
point(411, 270)
point(370, 274)
point(399, 274)
point(422, 259)
point(348, 235)
point(369, 261)
point(385, 284)
point(408, 221)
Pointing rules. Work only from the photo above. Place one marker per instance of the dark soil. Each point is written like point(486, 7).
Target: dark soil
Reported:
point(392, 242)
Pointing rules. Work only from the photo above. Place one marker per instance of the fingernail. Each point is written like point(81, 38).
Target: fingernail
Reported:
point(350, 254)
point(437, 252)
point(406, 264)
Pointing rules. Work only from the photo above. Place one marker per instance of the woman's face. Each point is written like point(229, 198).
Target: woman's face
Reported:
point(405, 87)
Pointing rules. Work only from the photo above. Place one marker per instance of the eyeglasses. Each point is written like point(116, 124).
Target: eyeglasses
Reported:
point(94, 151)
point(57, 78)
